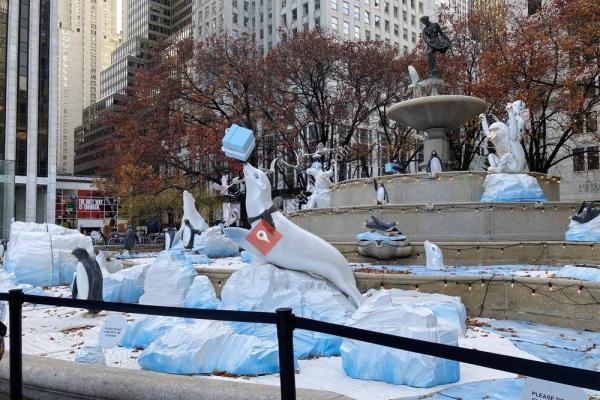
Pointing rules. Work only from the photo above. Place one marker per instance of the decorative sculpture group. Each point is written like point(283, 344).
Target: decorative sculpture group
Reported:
point(506, 137)
point(383, 241)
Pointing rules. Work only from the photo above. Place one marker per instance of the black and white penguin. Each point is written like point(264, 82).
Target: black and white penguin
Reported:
point(170, 237)
point(130, 238)
point(87, 282)
point(434, 165)
point(381, 193)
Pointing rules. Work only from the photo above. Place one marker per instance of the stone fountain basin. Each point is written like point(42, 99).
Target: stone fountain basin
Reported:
point(439, 111)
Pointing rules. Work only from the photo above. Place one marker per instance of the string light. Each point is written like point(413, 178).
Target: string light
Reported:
point(512, 283)
point(533, 292)
point(579, 289)
point(417, 287)
point(482, 282)
point(445, 282)
point(470, 287)
point(550, 286)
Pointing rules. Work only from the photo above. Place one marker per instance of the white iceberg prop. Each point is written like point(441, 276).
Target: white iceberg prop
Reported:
point(214, 244)
point(449, 310)
point(206, 347)
point(40, 254)
point(90, 355)
point(143, 332)
point(267, 288)
point(201, 294)
point(168, 280)
point(511, 187)
point(586, 232)
point(380, 313)
point(434, 257)
point(126, 285)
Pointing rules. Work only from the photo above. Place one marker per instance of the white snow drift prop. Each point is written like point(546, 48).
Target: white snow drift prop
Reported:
point(381, 314)
point(40, 254)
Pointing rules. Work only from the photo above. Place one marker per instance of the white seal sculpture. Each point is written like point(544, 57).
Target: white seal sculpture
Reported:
point(433, 255)
point(195, 223)
point(297, 249)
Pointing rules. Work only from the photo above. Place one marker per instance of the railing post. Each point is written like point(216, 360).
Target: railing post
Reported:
point(15, 308)
point(285, 339)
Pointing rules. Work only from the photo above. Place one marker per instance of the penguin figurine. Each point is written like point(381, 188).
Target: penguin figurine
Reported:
point(434, 165)
point(87, 281)
point(130, 238)
point(170, 237)
point(381, 193)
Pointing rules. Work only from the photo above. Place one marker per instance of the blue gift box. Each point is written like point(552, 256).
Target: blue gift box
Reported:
point(389, 168)
point(238, 142)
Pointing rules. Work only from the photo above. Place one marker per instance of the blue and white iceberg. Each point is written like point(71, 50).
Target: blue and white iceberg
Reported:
point(511, 188)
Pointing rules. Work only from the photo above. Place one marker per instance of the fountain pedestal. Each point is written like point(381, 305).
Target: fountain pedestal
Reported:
point(437, 141)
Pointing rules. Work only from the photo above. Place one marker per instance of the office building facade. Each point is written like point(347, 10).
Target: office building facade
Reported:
point(395, 22)
point(87, 36)
point(28, 103)
point(147, 23)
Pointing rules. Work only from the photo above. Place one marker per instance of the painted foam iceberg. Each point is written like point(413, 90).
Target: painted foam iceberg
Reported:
point(586, 232)
point(381, 314)
point(581, 272)
point(143, 332)
point(266, 288)
point(498, 389)
point(168, 280)
point(40, 254)
point(126, 285)
point(511, 187)
point(212, 243)
point(201, 294)
point(206, 347)
point(90, 355)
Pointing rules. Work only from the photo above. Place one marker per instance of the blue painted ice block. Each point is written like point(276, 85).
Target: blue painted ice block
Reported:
point(238, 142)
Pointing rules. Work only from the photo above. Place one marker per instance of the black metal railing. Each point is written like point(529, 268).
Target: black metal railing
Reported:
point(286, 322)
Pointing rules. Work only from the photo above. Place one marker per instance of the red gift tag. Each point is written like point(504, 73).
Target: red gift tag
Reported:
point(264, 237)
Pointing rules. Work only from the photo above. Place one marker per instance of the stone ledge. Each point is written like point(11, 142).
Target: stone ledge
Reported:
point(51, 379)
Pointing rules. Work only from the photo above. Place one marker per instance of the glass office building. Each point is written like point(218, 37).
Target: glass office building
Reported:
point(28, 33)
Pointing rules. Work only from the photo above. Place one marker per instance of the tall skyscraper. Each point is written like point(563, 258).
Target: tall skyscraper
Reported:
point(146, 23)
point(28, 100)
point(395, 22)
point(87, 36)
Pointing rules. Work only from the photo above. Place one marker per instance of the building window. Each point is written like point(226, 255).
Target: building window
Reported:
point(396, 11)
point(593, 158)
point(413, 37)
point(305, 8)
point(317, 4)
point(234, 18)
point(367, 35)
point(396, 30)
point(294, 14)
point(334, 23)
point(579, 159)
point(591, 122)
point(404, 16)
point(367, 17)
point(412, 4)
point(413, 20)
point(404, 33)
point(377, 19)
point(387, 25)
point(421, 7)
point(346, 28)
point(346, 8)
point(356, 32)
point(356, 13)
point(334, 4)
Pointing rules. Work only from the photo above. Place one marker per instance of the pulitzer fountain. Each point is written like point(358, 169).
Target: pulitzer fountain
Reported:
point(502, 214)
